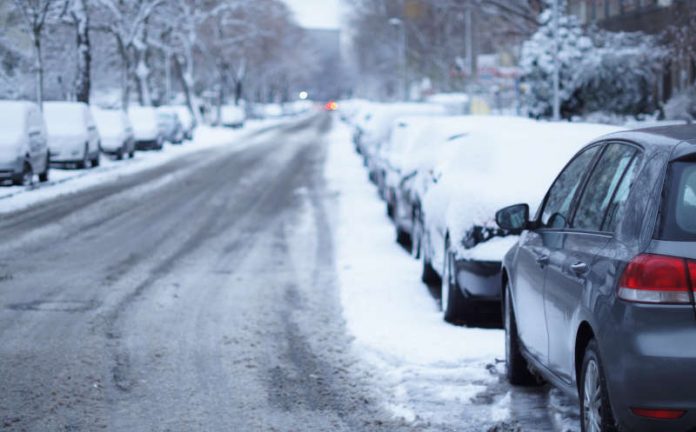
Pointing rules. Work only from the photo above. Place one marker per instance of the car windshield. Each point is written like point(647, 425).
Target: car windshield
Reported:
point(11, 123)
point(64, 118)
point(108, 122)
point(678, 221)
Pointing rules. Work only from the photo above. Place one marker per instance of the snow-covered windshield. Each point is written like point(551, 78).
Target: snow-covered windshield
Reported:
point(64, 118)
point(109, 123)
point(12, 123)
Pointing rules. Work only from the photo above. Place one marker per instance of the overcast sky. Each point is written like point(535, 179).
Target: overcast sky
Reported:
point(316, 13)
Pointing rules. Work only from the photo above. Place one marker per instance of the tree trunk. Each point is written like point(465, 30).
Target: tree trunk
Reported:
point(142, 71)
point(38, 67)
point(186, 86)
point(125, 73)
point(84, 55)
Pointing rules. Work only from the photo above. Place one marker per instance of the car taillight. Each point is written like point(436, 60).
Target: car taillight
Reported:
point(658, 414)
point(657, 279)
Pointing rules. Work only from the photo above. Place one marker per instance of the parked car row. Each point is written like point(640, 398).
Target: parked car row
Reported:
point(75, 134)
point(595, 289)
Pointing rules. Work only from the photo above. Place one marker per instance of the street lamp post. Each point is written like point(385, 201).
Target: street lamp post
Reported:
point(398, 23)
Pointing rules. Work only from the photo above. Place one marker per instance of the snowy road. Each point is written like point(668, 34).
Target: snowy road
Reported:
point(203, 295)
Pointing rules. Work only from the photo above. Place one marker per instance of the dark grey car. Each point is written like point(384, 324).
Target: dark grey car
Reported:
point(599, 291)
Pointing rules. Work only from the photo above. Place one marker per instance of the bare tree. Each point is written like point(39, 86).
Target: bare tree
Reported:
point(35, 14)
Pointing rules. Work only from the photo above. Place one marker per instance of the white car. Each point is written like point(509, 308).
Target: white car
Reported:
point(116, 132)
point(23, 144)
point(232, 116)
point(72, 133)
point(188, 123)
point(146, 128)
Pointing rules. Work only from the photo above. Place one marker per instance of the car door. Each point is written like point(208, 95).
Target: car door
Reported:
point(534, 254)
point(37, 143)
point(574, 263)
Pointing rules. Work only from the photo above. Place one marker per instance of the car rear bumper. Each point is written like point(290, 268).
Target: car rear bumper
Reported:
point(153, 144)
point(650, 363)
point(479, 279)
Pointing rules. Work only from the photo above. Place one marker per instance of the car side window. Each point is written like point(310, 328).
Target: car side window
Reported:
point(556, 211)
point(602, 185)
point(616, 208)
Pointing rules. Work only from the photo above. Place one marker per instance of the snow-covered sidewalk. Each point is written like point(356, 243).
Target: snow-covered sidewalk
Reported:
point(396, 322)
point(68, 181)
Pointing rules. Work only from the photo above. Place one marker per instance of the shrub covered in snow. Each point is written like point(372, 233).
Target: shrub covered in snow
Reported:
point(682, 106)
point(600, 71)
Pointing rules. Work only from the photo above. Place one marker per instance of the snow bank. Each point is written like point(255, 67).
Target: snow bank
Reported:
point(65, 182)
point(396, 323)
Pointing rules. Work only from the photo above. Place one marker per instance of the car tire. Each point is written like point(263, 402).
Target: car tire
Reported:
point(131, 154)
point(85, 159)
point(518, 372)
point(595, 409)
point(43, 177)
point(404, 239)
point(26, 178)
point(452, 301)
point(428, 275)
point(120, 153)
point(95, 161)
point(416, 235)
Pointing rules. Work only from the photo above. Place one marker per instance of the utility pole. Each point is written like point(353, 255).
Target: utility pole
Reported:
point(556, 65)
point(400, 25)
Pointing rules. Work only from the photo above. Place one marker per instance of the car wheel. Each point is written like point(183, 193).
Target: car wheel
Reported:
point(43, 177)
point(518, 372)
point(452, 300)
point(26, 178)
point(416, 236)
point(131, 154)
point(95, 161)
point(428, 275)
point(595, 409)
point(85, 159)
point(120, 153)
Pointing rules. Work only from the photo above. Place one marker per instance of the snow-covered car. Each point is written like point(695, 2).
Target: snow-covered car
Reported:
point(170, 126)
point(146, 128)
point(73, 137)
point(115, 131)
point(411, 154)
point(188, 123)
point(232, 116)
point(498, 161)
point(378, 128)
point(23, 143)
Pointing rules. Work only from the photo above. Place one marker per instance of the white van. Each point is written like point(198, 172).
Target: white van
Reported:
point(146, 127)
point(23, 148)
point(72, 133)
point(116, 132)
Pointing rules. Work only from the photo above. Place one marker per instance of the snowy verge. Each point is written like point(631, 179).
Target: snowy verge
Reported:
point(395, 321)
point(68, 181)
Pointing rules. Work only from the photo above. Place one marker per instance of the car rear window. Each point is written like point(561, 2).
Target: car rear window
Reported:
point(679, 203)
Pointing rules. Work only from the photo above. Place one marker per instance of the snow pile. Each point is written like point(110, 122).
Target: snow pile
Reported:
point(13, 121)
point(500, 161)
point(395, 321)
point(65, 118)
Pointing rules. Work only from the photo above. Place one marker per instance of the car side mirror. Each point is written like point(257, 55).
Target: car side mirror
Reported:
point(513, 218)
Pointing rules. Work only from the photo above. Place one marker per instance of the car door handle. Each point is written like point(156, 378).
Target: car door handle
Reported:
point(543, 259)
point(579, 268)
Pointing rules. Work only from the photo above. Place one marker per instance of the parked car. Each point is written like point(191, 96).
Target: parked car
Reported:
point(146, 128)
point(188, 123)
point(495, 160)
point(377, 129)
point(23, 143)
point(599, 290)
point(73, 137)
point(116, 132)
point(170, 126)
point(232, 116)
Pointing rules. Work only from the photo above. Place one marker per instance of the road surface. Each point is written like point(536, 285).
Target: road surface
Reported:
point(191, 297)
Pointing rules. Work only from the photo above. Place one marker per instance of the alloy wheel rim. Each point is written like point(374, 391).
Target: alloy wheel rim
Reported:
point(592, 398)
